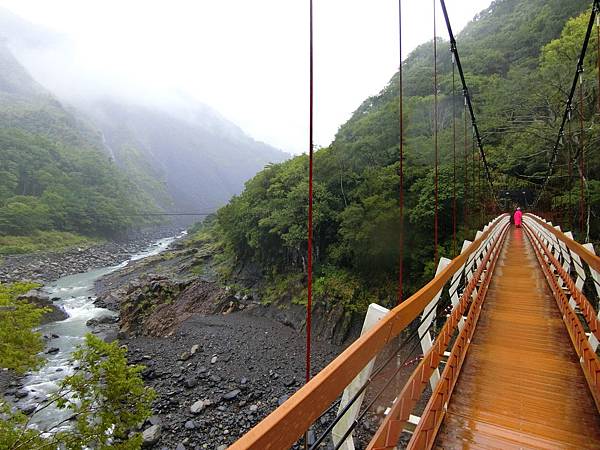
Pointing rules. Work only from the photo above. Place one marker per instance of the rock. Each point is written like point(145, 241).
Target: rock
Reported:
point(190, 425)
point(194, 349)
point(231, 394)
point(22, 393)
point(281, 400)
point(28, 409)
point(191, 382)
point(185, 356)
point(214, 359)
point(38, 298)
point(222, 447)
point(151, 435)
point(154, 420)
point(180, 446)
point(197, 407)
point(102, 320)
point(253, 408)
point(52, 350)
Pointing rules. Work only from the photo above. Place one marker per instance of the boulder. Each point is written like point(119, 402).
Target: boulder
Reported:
point(102, 320)
point(151, 435)
point(40, 299)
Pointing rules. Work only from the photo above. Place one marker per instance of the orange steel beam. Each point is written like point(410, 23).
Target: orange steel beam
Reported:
point(431, 419)
point(592, 260)
point(284, 426)
point(587, 357)
point(390, 429)
point(580, 299)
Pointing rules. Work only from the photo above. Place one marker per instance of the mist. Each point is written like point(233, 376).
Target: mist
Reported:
point(247, 60)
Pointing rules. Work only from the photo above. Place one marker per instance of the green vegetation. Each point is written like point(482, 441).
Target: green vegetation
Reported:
point(45, 185)
point(54, 174)
point(518, 66)
point(19, 345)
point(42, 241)
point(106, 397)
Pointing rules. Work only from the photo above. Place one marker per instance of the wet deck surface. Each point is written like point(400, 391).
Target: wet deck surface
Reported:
point(521, 385)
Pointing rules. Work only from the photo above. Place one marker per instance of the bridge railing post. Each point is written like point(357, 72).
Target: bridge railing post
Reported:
point(428, 317)
point(374, 314)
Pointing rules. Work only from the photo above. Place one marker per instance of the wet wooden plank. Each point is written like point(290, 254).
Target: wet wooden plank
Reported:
point(521, 385)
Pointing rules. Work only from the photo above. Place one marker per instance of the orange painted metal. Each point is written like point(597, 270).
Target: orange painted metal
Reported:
point(521, 384)
point(390, 429)
point(588, 358)
point(581, 300)
point(284, 426)
point(431, 419)
point(590, 258)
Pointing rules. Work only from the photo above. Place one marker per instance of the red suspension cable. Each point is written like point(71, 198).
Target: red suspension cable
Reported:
point(401, 257)
point(435, 135)
point(310, 204)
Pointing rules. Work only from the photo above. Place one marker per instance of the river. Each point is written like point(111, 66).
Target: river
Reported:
point(75, 293)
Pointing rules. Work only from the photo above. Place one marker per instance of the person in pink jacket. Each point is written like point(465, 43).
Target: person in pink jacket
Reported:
point(518, 217)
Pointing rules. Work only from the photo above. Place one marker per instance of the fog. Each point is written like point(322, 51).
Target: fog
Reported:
point(246, 59)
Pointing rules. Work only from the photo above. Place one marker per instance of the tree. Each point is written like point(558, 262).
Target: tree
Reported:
point(106, 397)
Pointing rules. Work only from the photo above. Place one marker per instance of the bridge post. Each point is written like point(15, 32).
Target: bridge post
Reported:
point(428, 317)
point(581, 276)
point(455, 283)
point(596, 277)
point(375, 313)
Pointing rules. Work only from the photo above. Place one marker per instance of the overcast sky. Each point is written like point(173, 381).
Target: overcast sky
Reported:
point(247, 58)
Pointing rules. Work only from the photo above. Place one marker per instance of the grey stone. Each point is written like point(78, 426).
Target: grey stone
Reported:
point(197, 407)
point(231, 394)
point(190, 425)
point(151, 435)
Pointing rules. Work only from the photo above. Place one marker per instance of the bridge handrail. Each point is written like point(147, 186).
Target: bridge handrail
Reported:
point(560, 284)
point(590, 258)
point(284, 426)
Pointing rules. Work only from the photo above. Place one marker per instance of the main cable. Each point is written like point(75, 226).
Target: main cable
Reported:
point(578, 73)
point(454, 50)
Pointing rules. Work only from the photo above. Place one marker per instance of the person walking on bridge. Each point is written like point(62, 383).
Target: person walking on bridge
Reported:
point(518, 217)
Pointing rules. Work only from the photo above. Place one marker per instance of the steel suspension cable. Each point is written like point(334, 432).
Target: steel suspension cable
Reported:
point(401, 168)
point(581, 158)
point(310, 199)
point(570, 171)
point(435, 136)
point(578, 72)
point(453, 157)
point(454, 50)
point(466, 169)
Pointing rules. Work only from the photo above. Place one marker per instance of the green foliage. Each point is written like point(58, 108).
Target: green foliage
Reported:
point(518, 67)
point(42, 241)
point(47, 185)
point(19, 345)
point(107, 399)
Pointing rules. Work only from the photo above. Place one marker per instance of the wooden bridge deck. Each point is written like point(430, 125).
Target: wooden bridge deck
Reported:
point(521, 385)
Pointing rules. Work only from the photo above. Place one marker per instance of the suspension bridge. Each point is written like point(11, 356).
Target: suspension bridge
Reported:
point(507, 334)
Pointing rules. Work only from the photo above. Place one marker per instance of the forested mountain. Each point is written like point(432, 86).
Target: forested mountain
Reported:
point(199, 157)
point(90, 162)
point(518, 66)
point(53, 172)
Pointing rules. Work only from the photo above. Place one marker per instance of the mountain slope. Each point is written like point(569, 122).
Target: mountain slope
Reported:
point(201, 158)
point(516, 61)
point(53, 172)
